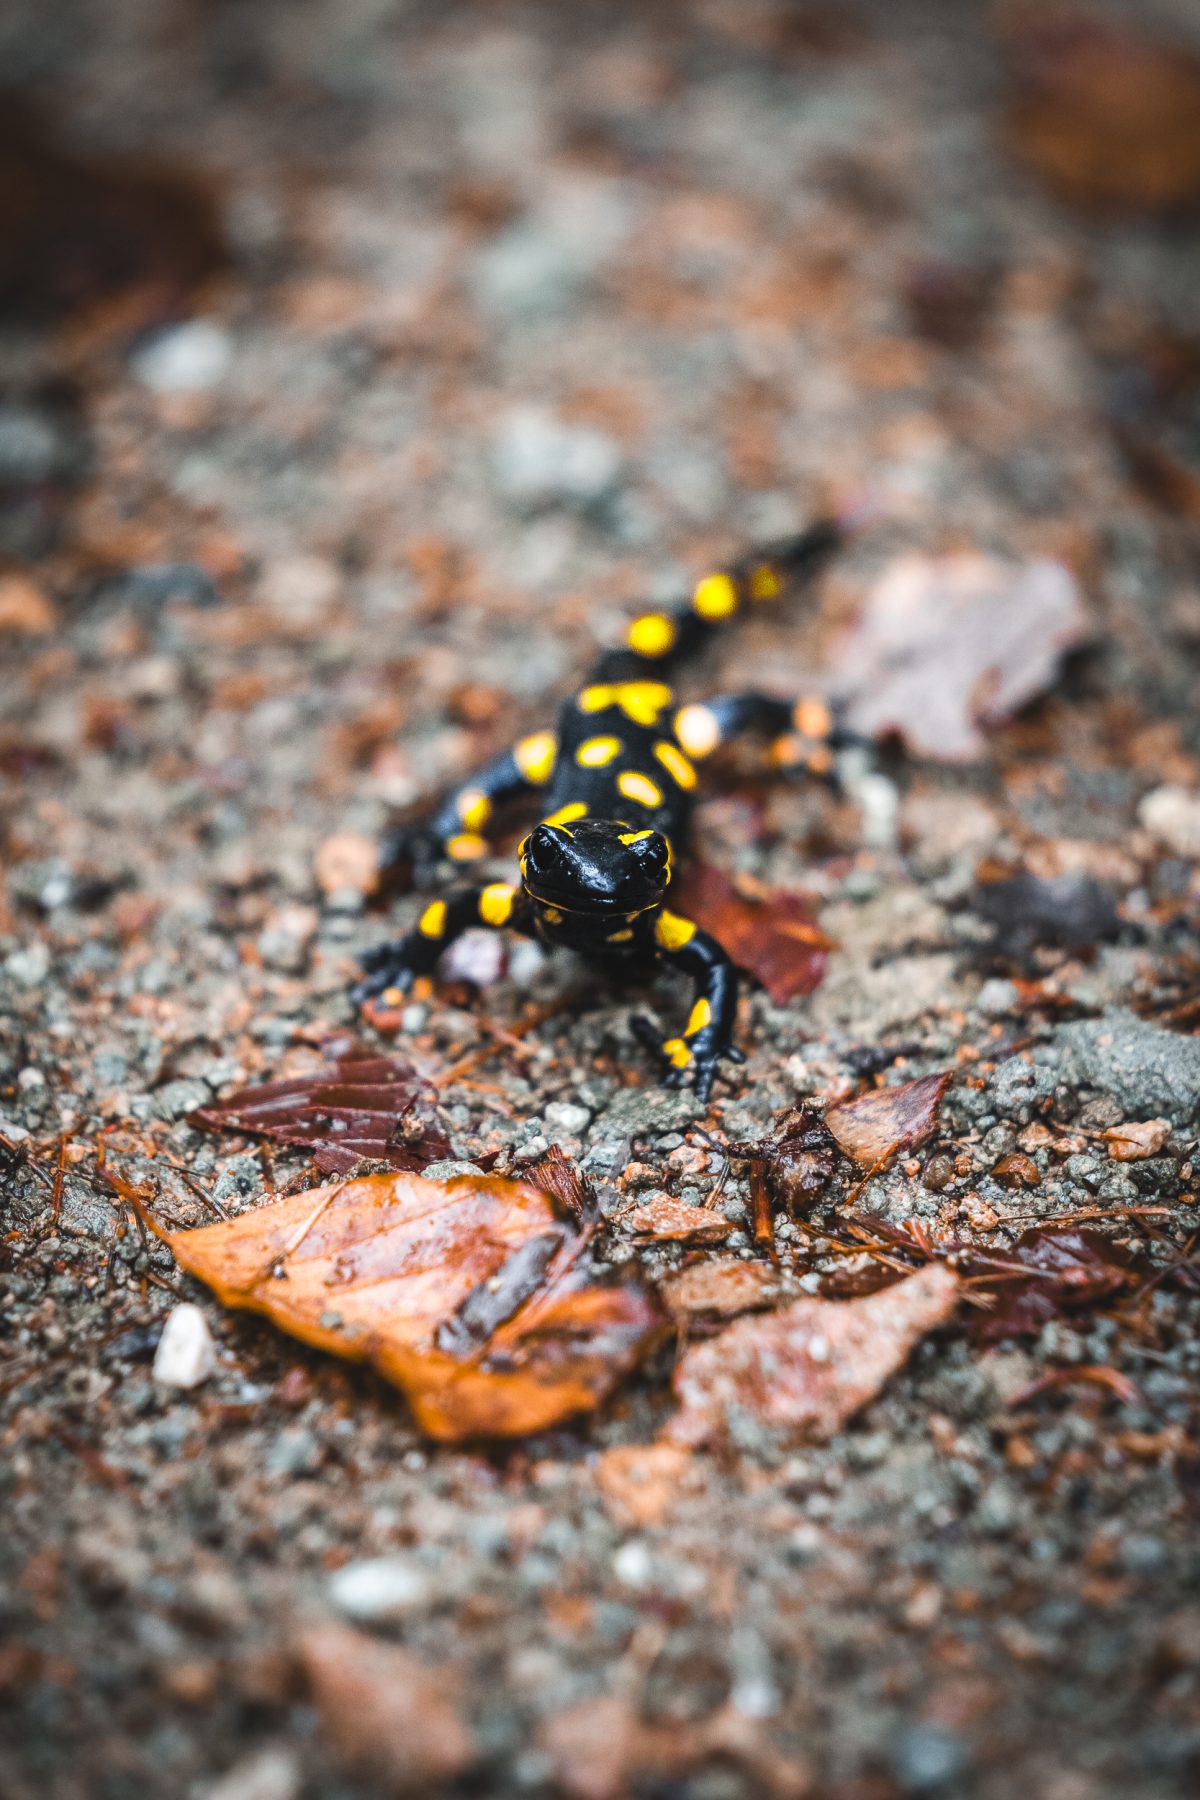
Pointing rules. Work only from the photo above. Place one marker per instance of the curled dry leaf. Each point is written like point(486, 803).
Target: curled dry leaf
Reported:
point(356, 1105)
point(388, 1715)
point(890, 1118)
point(773, 933)
point(392, 1269)
point(563, 1178)
point(664, 1217)
point(797, 1375)
point(948, 644)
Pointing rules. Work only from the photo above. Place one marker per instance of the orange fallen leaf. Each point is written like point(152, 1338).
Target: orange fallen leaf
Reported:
point(798, 1374)
point(666, 1218)
point(889, 1118)
point(456, 1291)
point(773, 934)
point(387, 1714)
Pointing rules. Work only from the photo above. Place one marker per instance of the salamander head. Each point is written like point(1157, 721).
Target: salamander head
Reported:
point(599, 867)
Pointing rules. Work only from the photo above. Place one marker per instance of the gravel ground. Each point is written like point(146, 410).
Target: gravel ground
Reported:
point(481, 323)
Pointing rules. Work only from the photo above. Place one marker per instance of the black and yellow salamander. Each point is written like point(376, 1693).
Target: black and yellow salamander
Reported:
point(614, 782)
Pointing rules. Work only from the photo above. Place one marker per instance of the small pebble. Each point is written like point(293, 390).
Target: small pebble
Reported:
point(186, 1354)
point(565, 1119)
point(183, 359)
point(379, 1588)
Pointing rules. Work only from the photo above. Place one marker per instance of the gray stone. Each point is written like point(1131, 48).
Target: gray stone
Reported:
point(179, 1097)
point(1150, 1072)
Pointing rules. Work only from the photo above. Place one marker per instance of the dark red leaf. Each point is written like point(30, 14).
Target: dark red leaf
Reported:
point(357, 1106)
point(774, 934)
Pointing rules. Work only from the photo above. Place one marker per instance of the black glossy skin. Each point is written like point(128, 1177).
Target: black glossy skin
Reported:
point(614, 784)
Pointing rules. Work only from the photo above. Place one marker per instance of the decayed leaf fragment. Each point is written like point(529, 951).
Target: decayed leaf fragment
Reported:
point(387, 1714)
point(800, 1373)
point(889, 1118)
point(389, 1269)
point(774, 935)
point(1107, 116)
point(947, 644)
point(355, 1105)
point(667, 1218)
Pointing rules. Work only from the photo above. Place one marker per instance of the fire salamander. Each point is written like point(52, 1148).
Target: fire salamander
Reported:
point(615, 781)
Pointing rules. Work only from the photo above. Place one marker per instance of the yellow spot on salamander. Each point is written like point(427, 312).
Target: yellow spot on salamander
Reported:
point(595, 752)
point(698, 729)
point(566, 815)
point(677, 1053)
point(634, 837)
point(639, 787)
point(764, 582)
point(676, 764)
point(551, 915)
point(672, 932)
point(813, 718)
point(642, 701)
point(466, 847)
point(474, 808)
point(716, 597)
point(619, 937)
point(596, 698)
point(496, 903)
point(652, 635)
point(535, 756)
point(698, 1018)
point(433, 920)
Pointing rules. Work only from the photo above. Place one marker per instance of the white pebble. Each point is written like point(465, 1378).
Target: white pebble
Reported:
point(271, 1774)
point(378, 1588)
point(186, 1354)
point(566, 1119)
point(184, 359)
point(1172, 814)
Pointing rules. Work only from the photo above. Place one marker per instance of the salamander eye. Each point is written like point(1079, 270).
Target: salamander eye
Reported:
point(651, 852)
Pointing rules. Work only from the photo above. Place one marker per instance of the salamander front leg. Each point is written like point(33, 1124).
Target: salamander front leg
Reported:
point(398, 963)
point(694, 1057)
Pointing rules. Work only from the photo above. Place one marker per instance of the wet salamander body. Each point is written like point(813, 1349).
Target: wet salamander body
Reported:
point(614, 782)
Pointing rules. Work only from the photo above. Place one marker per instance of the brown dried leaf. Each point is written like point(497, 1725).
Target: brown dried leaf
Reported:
point(721, 1287)
point(1067, 1268)
point(774, 936)
point(358, 1105)
point(388, 1715)
point(666, 1218)
point(1108, 117)
point(800, 1373)
point(374, 1269)
point(948, 644)
point(890, 1118)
